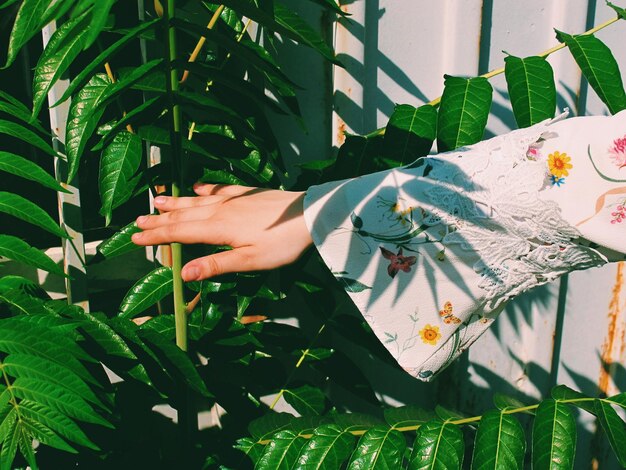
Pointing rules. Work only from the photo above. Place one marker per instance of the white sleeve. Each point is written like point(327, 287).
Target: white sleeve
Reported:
point(430, 253)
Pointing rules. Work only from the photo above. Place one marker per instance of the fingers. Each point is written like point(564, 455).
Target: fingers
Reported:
point(148, 222)
point(185, 232)
point(202, 189)
point(225, 262)
point(167, 204)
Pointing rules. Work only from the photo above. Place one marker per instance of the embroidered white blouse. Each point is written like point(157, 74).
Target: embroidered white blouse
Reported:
point(431, 252)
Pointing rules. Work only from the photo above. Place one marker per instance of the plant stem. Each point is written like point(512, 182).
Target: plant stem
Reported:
point(178, 172)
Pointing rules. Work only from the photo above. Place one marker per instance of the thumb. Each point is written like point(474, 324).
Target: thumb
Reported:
point(225, 262)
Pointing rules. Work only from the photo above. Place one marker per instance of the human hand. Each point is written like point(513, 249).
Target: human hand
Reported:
point(265, 228)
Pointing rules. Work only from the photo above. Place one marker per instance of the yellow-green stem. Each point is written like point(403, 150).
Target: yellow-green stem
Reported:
point(179, 166)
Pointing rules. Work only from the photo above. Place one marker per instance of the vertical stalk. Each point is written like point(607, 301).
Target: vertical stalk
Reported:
point(178, 171)
point(187, 420)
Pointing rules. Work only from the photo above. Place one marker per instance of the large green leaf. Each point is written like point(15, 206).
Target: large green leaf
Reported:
point(83, 118)
point(282, 451)
point(85, 75)
point(554, 436)
point(410, 132)
point(532, 91)
point(614, 428)
point(127, 81)
point(62, 400)
point(306, 400)
point(64, 46)
point(27, 24)
point(24, 168)
point(408, 415)
point(499, 443)
point(21, 303)
point(21, 113)
point(22, 133)
point(55, 421)
point(283, 21)
point(599, 67)
point(22, 208)
point(25, 365)
point(463, 112)
point(99, 15)
point(176, 361)
point(302, 31)
point(438, 446)
point(380, 447)
point(120, 242)
point(16, 249)
point(147, 291)
point(118, 165)
point(327, 449)
point(563, 392)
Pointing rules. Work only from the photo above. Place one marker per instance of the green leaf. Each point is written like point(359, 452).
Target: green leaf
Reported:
point(61, 400)
point(584, 402)
point(27, 24)
point(147, 291)
point(24, 168)
point(21, 303)
point(408, 415)
point(499, 443)
point(619, 399)
point(599, 67)
point(120, 162)
point(20, 132)
point(21, 113)
point(379, 447)
point(84, 76)
point(621, 12)
point(33, 429)
point(127, 81)
point(306, 400)
point(438, 446)
point(23, 209)
point(463, 112)
point(301, 31)
point(554, 436)
point(120, 242)
point(504, 402)
point(145, 112)
point(352, 285)
point(531, 87)
point(614, 428)
point(83, 118)
point(331, 5)
point(18, 250)
point(64, 46)
point(282, 451)
point(25, 365)
point(250, 447)
point(174, 359)
point(328, 448)
point(99, 15)
point(410, 132)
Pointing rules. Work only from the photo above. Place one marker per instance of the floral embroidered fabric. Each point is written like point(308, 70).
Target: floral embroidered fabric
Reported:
point(431, 252)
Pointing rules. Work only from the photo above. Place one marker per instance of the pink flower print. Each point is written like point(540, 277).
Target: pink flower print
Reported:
point(397, 262)
point(533, 153)
point(618, 152)
point(619, 214)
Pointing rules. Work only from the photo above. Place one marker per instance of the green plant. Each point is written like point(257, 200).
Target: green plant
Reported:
point(208, 115)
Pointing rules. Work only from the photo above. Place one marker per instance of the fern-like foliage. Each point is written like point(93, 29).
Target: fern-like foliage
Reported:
point(412, 438)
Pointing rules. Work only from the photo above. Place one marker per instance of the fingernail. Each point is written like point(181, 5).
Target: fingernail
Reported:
point(136, 236)
point(191, 274)
point(160, 200)
point(198, 184)
point(141, 219)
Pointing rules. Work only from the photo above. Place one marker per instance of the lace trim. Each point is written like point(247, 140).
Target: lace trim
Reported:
point(490, 195)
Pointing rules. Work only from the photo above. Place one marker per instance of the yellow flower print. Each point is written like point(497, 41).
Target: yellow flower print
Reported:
point(559, 163)
point(430, 334)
